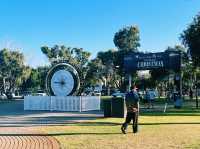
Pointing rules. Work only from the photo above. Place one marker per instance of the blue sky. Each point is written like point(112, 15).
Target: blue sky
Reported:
point(90, 24)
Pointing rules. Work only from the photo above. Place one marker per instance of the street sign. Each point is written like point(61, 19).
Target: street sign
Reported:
point(148, 61)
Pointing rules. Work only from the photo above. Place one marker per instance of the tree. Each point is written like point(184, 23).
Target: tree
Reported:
point(75, 56)
point(12, 68)
point(33, 82)
point(42, 70)
point(58, 52)
point(181, 49)
point(162, 80)
point(36, 79)
point(95, 72)
point(191, 39)
point(127, 39)
point(111, 65)
point(107, 56)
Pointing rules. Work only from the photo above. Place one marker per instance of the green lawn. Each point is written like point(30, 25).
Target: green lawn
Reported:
point(175, 129)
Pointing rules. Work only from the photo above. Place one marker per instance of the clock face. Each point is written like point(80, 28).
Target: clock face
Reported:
point(62, 83)
point(62, 80)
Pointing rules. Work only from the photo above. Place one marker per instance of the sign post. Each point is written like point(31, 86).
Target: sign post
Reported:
point(129, 82)
point(170, 60)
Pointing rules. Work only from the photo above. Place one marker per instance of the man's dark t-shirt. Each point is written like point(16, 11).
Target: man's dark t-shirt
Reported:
point(132, 100)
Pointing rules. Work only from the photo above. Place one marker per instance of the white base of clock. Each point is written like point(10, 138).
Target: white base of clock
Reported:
point(56, 103)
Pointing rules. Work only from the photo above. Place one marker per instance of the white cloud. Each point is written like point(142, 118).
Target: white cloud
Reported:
point(10, 44)
point(34, 60)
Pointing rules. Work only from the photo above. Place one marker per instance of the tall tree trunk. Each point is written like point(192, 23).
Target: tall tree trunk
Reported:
point(197, 102)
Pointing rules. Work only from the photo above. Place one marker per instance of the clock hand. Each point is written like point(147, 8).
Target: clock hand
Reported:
point(62, 82)
point(57, 82)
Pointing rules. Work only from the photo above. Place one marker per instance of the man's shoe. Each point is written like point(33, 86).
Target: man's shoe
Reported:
point(123, 130)
point(135, 129)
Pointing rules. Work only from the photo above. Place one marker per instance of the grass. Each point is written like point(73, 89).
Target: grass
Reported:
point(175, 129)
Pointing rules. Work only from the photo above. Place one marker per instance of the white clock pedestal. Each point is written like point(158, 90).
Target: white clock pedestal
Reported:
point(61, 103)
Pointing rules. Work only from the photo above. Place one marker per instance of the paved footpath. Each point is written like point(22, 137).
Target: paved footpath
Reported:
point(25, 138)
point(20, 129)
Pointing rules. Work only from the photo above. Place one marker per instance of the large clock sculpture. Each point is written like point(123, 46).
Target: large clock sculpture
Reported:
point(62, 80)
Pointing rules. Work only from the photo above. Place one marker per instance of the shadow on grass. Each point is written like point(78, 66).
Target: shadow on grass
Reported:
point(94, 133)
point(171, 113)
point(173, 123)
point(115, 124)
point(97, 124)
point(119, 124)
point(100, 124)
point(61, 134)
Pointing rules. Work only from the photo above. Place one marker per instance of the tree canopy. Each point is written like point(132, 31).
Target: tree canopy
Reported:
point(191, 38)
point(12, 68)
point(127, 39)
point(75, 56)
point(36, 80)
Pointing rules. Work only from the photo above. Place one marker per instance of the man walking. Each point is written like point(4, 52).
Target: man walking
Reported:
point(132, 104)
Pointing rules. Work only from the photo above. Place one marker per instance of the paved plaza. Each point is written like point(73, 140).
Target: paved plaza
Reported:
point(20, 129)
point(25, 138)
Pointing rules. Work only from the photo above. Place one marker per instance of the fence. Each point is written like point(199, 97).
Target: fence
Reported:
point(68, 103)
